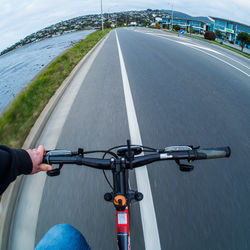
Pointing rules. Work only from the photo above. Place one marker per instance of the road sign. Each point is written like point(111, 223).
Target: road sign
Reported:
point(182, 32)
point(229, 30)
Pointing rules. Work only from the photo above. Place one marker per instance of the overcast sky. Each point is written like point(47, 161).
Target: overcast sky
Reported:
point(19, 18)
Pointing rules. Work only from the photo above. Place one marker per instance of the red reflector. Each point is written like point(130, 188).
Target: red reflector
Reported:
point(122, 230)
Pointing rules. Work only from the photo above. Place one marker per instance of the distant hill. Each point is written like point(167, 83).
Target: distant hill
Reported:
point(94, 21)
point(178, 14)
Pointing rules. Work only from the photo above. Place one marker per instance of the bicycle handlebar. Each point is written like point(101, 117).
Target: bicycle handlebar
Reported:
point(170, 153)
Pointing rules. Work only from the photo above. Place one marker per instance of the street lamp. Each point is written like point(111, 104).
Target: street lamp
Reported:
point(169, 3)
point(102, 15)
point(172, 15)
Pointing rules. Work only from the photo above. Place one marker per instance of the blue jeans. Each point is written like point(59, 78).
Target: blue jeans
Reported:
point(62, 237)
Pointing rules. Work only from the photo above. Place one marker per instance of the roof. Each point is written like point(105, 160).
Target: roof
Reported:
point(187, 19)
point(227, 20)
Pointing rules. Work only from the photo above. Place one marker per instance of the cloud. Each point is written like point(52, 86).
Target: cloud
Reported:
point(21, 18)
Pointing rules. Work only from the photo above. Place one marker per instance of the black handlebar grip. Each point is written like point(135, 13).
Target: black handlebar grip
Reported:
point(212, 153)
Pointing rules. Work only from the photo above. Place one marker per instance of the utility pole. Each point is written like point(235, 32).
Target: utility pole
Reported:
point(102, 15)
point(173, 15)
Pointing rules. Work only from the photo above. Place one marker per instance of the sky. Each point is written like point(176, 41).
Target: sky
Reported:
point(21, 18)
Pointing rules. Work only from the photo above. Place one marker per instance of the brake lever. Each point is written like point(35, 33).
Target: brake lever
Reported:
point(55, 171)
point(184, 167)
point(195, 147)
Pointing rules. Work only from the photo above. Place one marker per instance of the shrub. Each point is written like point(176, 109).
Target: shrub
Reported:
point(218, 33)
point(191, 29)
point(177, 27)
point(107, 25)
point(209, 35)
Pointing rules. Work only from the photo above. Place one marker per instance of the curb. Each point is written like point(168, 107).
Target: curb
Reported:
point(10, 196)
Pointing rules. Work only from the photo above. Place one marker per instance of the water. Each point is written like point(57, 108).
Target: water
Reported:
point(20, 66)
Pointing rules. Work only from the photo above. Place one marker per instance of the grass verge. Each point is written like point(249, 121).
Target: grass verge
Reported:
point(17, 121)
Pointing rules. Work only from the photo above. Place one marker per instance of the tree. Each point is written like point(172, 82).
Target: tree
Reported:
point(164, 26)
point(120, 24)
point(158, 26)
point(191, 29)
point(209, 35)
point(218, 33)
point(107, 25)
point(177, 27)
point(147, 23)
point(244, 38)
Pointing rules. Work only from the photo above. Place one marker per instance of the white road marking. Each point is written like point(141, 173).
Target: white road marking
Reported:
point(197, 46)
point(200, 47)
point(190, 46)
point(221, 60)
point(148, 217)
point(175, 37)
point(215, 51)
point(27, 210)
point(164, 35)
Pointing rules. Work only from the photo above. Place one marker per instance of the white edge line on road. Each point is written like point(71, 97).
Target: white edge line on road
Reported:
point(220, 60)
point(190, 46)
point(201, 47)
point(148, 217)
point(180, 37)
point(194, 45)
point(27, 210)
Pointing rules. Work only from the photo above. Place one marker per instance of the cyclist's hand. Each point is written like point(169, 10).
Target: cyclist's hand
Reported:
point(36, 156)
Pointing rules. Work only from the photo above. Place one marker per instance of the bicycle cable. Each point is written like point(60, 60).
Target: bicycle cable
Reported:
point(104, 173)
point(109, 151)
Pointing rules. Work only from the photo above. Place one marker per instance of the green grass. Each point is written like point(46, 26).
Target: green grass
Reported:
point(236, 50)
point(17, 121)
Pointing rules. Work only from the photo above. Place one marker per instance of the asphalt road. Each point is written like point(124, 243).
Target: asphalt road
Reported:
point(184, 92)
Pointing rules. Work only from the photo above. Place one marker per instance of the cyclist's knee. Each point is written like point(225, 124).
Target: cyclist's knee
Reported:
point(63, 236)
point(63, 228)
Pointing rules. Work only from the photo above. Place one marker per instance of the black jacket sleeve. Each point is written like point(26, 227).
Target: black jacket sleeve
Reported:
point(13, 162)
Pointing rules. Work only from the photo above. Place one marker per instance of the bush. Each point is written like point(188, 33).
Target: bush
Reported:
point(107, 25)
point(209, 35)
point(177, 27)
point(218, 33)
